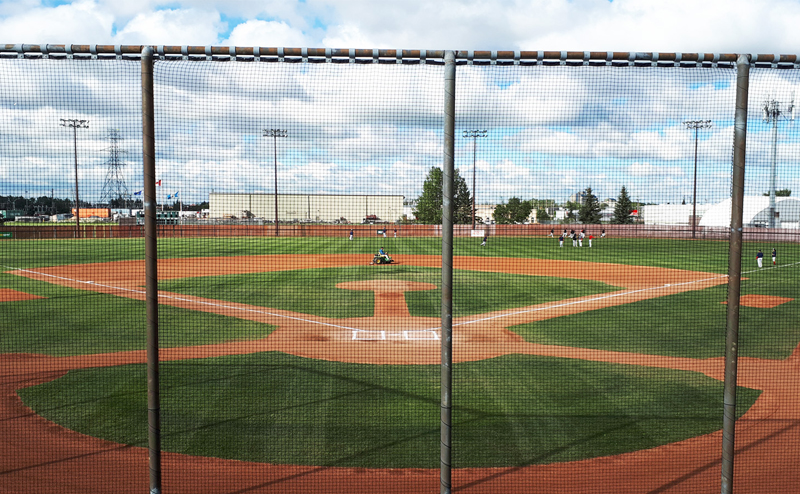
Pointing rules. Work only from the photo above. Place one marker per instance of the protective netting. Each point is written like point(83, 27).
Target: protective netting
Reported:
point(295, 357)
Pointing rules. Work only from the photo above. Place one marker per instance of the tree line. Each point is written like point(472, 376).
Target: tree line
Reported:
point(429, 205)
point(44, 205)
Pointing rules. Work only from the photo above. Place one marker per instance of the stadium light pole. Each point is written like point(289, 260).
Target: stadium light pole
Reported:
point(474, 134)
point(75, 124)
point(772, 112)
point(275, 133)
point(696, 125)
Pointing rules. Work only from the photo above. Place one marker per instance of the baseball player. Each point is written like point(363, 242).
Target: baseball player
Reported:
point(483, 244)
point(351, 234)
point(603, 233)
point(759, 257)
point(581, 237)
point(590, 240)
point(551, 233)
point(774, 256)
point(561, 240)
point(574, 238)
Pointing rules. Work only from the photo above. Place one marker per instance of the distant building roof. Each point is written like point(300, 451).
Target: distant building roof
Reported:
point(755, 212)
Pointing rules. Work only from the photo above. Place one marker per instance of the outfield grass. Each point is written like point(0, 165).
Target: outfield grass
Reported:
point(313, 291)
point(710, 256)
point(277, 408)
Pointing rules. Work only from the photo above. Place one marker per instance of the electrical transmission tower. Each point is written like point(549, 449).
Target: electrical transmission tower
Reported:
point(114, 187)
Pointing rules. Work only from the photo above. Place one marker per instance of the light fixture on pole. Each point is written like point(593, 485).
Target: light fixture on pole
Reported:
point(474, 134)
point(75, 124)
point(696, 125)
point(772, 112)
point(275, 133)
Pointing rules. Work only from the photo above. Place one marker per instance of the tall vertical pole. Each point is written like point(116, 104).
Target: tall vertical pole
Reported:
point(773, 167)
point(694, 188)
point(275, 133)
point(474, 192)
point(448, 169)
point(734, 274)
point(151, 271)
point(77, 201)
point(275, 154)
point(474, 134)
point(75, 124)
point(696, 125)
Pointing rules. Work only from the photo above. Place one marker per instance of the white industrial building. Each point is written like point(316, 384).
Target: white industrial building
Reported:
point(671, 214)
point(756, 212)
point(306, 207)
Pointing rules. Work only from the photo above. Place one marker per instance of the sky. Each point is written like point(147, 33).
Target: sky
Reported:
point(552, 131)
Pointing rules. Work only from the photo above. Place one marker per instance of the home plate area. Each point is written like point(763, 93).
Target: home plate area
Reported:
point(424, 334)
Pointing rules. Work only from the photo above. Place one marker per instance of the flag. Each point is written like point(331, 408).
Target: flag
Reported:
point(169, 196)
point(158, 183)
point(137, 193)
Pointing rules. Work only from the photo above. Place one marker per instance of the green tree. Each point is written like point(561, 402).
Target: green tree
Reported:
point(589, 213)
point(781, 193)
point(516, 211)
point(542, 216)
point(623, 209)
point(429, 204)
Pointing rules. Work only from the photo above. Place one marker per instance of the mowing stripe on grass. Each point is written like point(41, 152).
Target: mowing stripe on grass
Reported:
point(181, 299)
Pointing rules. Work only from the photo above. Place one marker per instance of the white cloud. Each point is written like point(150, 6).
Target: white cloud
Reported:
point(266, 33)
point(648, 169)
point(172, 27)
point(82, 22)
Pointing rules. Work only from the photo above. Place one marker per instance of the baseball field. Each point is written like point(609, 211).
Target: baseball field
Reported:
point(293, 365)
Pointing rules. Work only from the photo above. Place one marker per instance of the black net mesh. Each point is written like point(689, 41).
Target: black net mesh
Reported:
point(299, 276)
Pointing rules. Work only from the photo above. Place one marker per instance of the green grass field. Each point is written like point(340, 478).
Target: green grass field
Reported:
point(512, 410)
point(313, 291)
point(277, 408)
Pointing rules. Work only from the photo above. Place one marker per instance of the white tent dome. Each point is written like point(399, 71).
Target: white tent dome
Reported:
point(755, 212)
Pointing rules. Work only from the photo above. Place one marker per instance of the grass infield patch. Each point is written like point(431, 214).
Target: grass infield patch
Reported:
point(78, 322)
point(277, 408)
point(313, 291)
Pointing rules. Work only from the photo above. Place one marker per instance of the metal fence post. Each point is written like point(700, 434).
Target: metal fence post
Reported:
point(151, 271)
point(734, 274)
point(447, 270)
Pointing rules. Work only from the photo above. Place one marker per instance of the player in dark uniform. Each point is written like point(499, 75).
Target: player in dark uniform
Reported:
point(774, 256)
point(759, 257)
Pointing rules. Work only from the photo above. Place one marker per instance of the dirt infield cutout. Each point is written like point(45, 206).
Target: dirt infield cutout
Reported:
point(762, 301)
point(10, 295)
point(41, 457)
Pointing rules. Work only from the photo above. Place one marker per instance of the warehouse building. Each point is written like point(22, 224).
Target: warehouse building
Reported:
point(315, 208)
